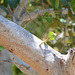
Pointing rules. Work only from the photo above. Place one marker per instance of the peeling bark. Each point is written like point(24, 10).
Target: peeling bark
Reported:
point(44, 60)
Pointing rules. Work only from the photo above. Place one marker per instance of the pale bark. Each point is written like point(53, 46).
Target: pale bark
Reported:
point(5, 67)
point(45, 60)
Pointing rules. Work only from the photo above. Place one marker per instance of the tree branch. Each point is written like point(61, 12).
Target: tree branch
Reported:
point(45, 60)
point(20, 9)
point(10, 12)
point(19, 12)
point(35, 14)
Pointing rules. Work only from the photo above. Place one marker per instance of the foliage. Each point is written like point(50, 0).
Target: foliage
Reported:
point(49, 18)
point(52, 35)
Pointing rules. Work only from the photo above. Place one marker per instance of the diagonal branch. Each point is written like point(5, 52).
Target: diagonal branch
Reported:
point(45, 60)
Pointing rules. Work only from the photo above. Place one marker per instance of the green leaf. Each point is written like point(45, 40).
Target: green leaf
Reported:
point(59, 30)
point(1, 48)
point(46, 14)
point(69, 4)
point(52, 38)
point(50, 34)
point(12, 3)
point(39, 18)
point(56, 4)
point(65, 2)
point(49, 18)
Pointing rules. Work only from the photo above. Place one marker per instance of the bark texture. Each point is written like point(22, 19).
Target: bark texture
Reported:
point(5, 67)
point(43, 59)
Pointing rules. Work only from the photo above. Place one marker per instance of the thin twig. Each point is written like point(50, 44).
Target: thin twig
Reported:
point(44, 42)
point(10, 12)
point(65, 31)
point(19, 11)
